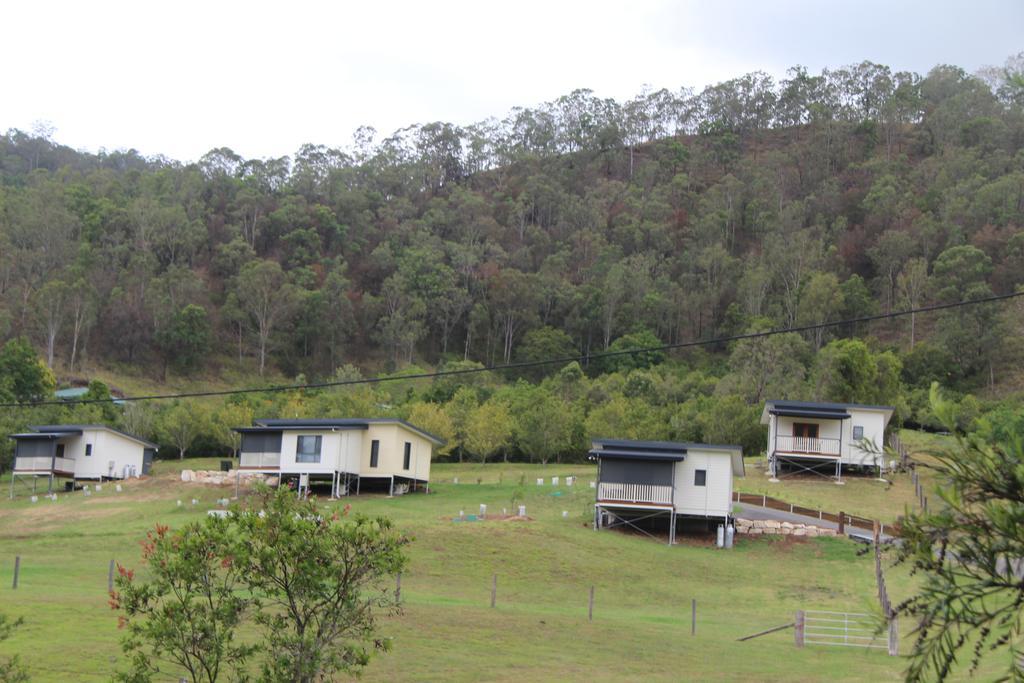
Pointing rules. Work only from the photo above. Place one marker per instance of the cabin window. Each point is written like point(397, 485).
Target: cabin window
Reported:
point(408, 456)
point(858, 433)
point(805, 430)
point(88, 449)
point(374, 453)
point(308, 448)
point(700, 478)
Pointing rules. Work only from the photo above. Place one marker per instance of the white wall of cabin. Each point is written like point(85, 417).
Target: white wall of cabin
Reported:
point(715, 498)
point(330, 452)
point(348, 450)
point(392, 438)
point(107, 447)
point(873, 422)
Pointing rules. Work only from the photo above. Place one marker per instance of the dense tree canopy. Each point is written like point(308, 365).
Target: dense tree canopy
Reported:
point(579, 226)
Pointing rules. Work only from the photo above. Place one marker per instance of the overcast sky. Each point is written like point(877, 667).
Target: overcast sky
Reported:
point(179, 78)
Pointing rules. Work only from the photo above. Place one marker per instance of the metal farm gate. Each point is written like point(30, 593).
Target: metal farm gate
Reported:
point(845, 629)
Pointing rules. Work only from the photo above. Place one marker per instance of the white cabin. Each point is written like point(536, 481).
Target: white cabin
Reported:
point(346, 452)
point(642, 479)
point(810, 436)
point(94, 452)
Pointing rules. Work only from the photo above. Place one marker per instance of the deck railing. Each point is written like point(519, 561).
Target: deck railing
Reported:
point(634, 493)
point(43, 463)
point(808, 444)
point(257, 459)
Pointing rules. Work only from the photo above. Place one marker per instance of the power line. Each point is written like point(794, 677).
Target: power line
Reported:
point(522, 364)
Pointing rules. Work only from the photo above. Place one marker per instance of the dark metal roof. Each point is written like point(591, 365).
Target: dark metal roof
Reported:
point(627, 454)
point(343, 423)
point(665, 445)
point(299, 423)
point(824, 405)
point(42, 435)
point(807, 412)
point(662, 450)
point(78, 429)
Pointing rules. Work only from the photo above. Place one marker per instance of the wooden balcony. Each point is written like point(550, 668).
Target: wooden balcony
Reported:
point(642, 494)
point(259, 461)
point(44, 464)
point(808, 445)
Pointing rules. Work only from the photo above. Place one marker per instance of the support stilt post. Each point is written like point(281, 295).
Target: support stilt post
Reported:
point(798, 630)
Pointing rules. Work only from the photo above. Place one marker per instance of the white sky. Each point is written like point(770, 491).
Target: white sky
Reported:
point(180, 78)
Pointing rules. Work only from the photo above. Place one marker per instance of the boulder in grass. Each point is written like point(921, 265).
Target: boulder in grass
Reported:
point(187, 475)
point(787, 525)
point(772, 524)
point(758, 524)
point(799, 532)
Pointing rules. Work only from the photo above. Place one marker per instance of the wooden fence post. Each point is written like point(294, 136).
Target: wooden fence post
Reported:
point(693, 617)
point(894, 638)
point(110, 577)
point(842, 523)
point(798, 629)
point(494, 589)
point(398, 587)
point(590, 609)
point(17, 568)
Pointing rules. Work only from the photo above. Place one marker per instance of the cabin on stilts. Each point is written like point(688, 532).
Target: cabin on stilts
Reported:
point(348, 454)
point(822, 438)
point(670, 483)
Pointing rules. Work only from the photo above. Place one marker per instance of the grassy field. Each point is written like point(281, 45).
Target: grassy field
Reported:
point(545, 567)
point(859, 494)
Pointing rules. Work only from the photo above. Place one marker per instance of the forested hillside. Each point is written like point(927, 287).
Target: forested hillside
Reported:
point(580, 225)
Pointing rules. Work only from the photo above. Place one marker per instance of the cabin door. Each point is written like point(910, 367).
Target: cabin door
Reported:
point(805, 430)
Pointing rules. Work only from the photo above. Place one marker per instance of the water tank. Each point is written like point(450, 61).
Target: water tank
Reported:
point(721, 536)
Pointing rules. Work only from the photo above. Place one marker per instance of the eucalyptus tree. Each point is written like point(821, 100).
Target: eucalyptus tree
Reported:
point(264, 294)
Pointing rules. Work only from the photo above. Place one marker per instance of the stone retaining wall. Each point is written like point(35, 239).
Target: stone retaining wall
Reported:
point(218, 478)
point(757, 527)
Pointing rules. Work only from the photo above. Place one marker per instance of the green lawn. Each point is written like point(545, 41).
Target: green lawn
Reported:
point(861, 495)
point(545, 567)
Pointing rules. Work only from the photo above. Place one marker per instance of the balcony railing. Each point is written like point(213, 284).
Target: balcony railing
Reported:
point(44, 463)
point(259, 460)
point(808, 444)
point(634, 493)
